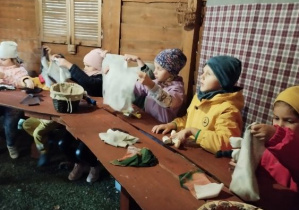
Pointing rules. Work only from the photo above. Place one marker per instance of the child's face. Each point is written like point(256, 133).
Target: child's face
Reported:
point(160, 73)
point(88, 68)
point(284, 116)
point(6, 62)
point(208, 80)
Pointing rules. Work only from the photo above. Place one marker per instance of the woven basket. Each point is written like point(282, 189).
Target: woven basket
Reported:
point(66, 96)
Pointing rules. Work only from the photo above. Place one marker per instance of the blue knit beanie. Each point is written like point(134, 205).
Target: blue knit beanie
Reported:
point(172, 60)
point(227, 69)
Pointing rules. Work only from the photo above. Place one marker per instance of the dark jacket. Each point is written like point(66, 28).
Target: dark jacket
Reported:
point(92, 84)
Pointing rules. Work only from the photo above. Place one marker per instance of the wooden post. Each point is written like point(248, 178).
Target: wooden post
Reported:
point(111, 25)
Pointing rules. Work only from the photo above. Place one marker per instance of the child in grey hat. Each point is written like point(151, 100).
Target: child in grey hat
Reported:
point(162, 87)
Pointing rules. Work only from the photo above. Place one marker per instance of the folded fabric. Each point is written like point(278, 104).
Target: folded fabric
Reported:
point(117, 138)
point(137, 157)
point(244, 182)
point(169, 140)
point(199, 185)
point(210, 190)
point(31, 100)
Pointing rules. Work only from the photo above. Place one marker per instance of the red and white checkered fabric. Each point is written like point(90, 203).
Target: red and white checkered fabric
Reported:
point(265, 37)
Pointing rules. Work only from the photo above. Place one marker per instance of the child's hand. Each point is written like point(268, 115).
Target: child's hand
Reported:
point(263, 132)
point(105, 70)
point(134, 58)
point(232, 164)
point(2, 75)
point(103, 53)
point(48, 49)
point(29, 83)
point(182, 135)
point(145, 80)
point(131, 57)
point(63, 63)
point(165, 127)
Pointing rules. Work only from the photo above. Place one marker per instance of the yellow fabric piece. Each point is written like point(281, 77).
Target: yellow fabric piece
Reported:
point(218, 119)
point(38, 84)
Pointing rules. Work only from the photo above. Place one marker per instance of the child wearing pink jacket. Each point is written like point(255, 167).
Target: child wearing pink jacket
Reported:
point(14, 74)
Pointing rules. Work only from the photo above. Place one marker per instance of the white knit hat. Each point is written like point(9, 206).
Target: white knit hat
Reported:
point(8, 49)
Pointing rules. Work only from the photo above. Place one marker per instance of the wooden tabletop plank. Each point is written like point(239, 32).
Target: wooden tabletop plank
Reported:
point(271, 193)
point(148, 186)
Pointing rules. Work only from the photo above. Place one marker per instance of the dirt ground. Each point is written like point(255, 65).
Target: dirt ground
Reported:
point(23, 186)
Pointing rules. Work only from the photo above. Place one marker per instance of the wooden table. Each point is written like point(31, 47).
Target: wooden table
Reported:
point(273, 195)
point(151, 187)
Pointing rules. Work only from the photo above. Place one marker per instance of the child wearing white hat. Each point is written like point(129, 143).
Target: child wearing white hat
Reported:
point(12, 73)
point(11, 70)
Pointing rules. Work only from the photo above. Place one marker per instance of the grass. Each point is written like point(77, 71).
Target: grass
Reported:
point(24, 186)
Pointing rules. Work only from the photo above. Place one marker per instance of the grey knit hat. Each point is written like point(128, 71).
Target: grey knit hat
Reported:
point(172, 60)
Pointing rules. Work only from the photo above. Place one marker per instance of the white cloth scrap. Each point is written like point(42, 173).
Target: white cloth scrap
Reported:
point(244, 182)
point(55, 72)
point(210, 190)
point(119, 83)
point(169, 140)
point(118, 138)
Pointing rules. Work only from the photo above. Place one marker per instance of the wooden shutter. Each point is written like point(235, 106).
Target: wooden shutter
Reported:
point(53, 21)
point(87, 22)
point(73, 22)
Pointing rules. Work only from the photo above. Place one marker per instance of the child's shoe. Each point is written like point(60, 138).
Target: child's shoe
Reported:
point(13, 152)
point(77, 171)
point(20, 124)
point(43, 160)
point(94, 174)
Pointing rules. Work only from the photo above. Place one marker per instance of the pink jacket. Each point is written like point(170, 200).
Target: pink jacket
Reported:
point(281, 158)
point(13, 75)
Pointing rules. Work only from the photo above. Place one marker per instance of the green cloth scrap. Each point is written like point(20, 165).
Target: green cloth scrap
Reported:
point(144, 158)
point(185, 177)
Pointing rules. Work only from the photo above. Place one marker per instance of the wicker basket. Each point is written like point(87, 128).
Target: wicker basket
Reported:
point(66, 96)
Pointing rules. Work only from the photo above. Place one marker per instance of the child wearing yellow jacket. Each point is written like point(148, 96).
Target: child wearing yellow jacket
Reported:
point(214, 114)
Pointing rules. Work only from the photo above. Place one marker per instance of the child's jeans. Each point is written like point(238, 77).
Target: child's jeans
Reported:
point(11, 118)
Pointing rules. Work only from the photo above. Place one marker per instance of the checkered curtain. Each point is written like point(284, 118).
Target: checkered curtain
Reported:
point(265, 37)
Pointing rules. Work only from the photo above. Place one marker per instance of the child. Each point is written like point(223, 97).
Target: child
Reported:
point(12, 73)
point(281, 157)
point(214, 114)
point(39, 129)
point(91, 80)
point(164, 95)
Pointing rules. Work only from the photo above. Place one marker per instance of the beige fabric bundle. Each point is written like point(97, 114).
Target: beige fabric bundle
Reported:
point(66, 92)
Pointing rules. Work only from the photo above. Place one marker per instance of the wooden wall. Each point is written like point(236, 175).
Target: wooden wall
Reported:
point(140, 27)
point(18, 23)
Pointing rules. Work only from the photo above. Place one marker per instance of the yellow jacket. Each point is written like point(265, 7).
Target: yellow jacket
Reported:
point(218, 119)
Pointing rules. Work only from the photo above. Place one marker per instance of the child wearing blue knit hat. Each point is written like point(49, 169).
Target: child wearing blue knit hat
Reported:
point(162, 87)
point(214, 114)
